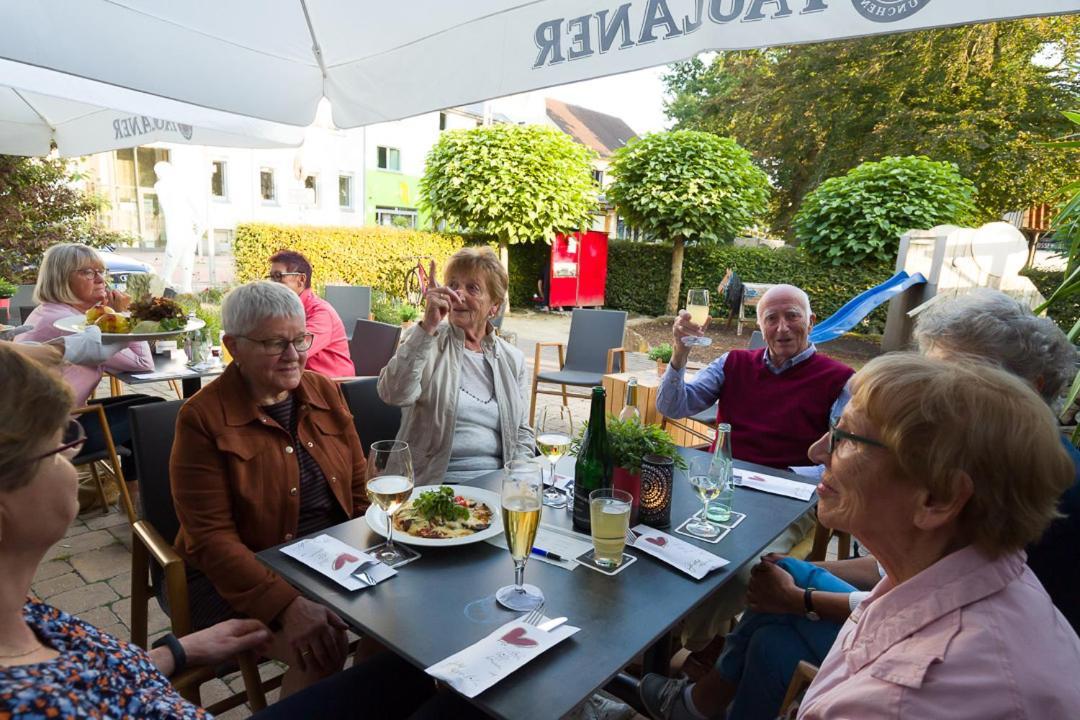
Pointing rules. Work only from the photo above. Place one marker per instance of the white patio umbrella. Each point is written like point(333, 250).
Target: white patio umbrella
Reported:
point(376, 61)
point(39, 107)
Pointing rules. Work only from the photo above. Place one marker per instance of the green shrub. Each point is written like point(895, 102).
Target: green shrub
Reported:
point(638, 275)
point(1065, 311)
point(661, 353)
point(373, 256)
point(860, 216)
point(7, 289)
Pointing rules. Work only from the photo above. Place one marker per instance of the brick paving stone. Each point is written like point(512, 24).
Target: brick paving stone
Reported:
point(84, 598)
point(156, 620)
point(102, 522)
point(123, 534)
point(119, 631)
point(48, 570)
point(69, 547)
point(237, 713)
point(77, 527)
point(55, 585)
point(100, 617)
point(121, 584)
point(103, 563)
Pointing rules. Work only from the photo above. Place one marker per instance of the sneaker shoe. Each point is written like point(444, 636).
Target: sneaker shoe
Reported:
point(662, 697)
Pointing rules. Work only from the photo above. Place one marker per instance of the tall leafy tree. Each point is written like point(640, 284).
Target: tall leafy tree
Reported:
point(41, 205)
point(983, 97)
point(512, 183)
point(687, 186)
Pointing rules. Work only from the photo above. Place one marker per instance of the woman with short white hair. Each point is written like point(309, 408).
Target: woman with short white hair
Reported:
point(264, 454)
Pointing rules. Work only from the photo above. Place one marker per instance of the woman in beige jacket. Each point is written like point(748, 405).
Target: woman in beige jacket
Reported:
point(461, 388)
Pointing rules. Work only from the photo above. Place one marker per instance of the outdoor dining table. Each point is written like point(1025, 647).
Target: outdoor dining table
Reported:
point(444, 601)
point(167, 367)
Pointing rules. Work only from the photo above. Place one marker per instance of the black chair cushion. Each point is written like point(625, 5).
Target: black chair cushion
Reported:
point(571, 377)
point(374, 419)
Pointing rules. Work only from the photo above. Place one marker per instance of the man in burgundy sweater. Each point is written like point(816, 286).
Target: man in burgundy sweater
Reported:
point(329, 353)
point(778, 400)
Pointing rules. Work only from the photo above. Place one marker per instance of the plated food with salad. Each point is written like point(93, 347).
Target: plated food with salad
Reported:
point(150, 317)
point(443, 515)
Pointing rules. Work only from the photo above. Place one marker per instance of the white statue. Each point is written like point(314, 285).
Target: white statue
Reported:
point(183, 227)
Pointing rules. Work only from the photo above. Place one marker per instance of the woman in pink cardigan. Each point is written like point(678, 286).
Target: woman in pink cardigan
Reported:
point(71, 280)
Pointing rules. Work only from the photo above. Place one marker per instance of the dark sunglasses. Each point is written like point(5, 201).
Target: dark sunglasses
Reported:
point(836, 434)
point(277, 276)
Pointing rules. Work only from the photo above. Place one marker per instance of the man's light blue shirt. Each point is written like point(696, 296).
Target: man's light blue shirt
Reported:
point(677, 398)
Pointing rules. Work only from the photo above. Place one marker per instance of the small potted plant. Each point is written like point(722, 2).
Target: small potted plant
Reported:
point(662, 355)
point(630, 441)
point(7, 291)
point(408, 314)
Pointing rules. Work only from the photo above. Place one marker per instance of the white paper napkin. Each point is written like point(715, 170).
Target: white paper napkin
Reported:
point(476, 668)
point(691, 559)
point(338, 561)
point(163, 375)
point(773, 484)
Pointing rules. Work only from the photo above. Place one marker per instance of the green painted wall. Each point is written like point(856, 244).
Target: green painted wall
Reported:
point(384, 188)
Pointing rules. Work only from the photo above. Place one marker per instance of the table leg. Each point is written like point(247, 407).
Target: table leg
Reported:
point(658, 655)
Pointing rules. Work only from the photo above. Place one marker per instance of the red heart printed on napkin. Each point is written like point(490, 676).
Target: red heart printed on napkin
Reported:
point(517, 637)
point(658, 541)
point(343, 558)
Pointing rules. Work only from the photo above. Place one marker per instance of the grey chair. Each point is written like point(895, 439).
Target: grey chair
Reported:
point(757, 340)
point(374, 419)
point(596, 337)
point(158, 570)
point(352, 303)
point(371, 346)
point(21, 304)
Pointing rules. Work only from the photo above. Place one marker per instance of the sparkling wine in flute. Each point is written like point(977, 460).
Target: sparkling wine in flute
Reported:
point(553, 446)
point(698, 313)
point(389, 492)
point(521, 518)
point(697, 304)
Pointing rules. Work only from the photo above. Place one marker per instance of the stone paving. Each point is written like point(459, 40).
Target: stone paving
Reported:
point(88, 573)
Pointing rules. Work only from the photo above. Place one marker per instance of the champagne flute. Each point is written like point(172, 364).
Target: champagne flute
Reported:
point(389, 483)
point(697, 304)
point(707, 483)
point(522, 485)
point(554, 433)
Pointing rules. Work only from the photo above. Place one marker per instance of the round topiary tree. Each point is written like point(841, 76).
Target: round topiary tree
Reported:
point(513, 183)
point(687, 186)
point(860, 216)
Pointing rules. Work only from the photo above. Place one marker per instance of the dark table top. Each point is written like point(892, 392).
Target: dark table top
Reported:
point(177, 369)
point(444, 601)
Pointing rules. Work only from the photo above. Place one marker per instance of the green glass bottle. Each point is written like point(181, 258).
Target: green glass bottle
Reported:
point(594, 467)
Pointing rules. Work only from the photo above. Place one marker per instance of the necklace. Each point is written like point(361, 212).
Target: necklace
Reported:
point(479, 400)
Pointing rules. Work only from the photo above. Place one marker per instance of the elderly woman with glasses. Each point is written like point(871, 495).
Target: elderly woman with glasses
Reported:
point(264, 454)
point(798, 607)
point(461, 387)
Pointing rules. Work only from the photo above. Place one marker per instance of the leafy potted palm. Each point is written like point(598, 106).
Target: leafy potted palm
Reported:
point(408, 314)
point(7, 291)
point(662, 355)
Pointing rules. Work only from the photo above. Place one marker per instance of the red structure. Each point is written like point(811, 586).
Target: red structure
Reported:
point(579, 269)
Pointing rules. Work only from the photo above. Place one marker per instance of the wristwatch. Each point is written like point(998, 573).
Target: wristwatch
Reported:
point(808, 603)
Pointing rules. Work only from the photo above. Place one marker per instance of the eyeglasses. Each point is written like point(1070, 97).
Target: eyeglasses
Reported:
point(836, 434)
point(276, 346)
point(73, 438)
point(278, 276)
point(91, 273)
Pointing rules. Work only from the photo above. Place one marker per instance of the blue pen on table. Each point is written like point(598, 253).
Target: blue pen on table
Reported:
point(547, 554)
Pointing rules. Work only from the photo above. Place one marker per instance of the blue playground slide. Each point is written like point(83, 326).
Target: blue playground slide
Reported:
point(862, 305)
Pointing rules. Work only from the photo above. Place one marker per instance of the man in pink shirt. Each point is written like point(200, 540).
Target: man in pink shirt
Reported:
point(329, 353)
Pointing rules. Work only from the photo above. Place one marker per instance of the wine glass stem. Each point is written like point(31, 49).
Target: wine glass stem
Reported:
point(389, 531)
point(519, 574)
point(705, 511)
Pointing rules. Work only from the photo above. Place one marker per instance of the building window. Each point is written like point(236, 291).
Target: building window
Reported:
point(598, 177)
point(267, 188)
point(389, 158)
point(345, 192)
point(442, 121)
point(219, 181)
point(311, 182)
point(134, 207)
point(398, 217)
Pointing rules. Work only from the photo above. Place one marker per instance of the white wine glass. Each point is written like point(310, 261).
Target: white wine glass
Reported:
point(697, 304)
point(390, 481)
point(553, 436)
point(707, 483)
point(522, 487)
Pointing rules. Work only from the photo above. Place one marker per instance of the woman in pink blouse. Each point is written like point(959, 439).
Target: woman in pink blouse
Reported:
point(945, 472)
point(71, 280)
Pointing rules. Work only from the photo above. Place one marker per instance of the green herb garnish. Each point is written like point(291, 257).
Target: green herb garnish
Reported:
point(439, 503)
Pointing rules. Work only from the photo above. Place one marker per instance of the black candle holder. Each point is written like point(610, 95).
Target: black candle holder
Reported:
point(657, 476)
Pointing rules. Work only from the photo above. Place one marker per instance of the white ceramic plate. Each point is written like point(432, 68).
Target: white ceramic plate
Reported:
point(376, 518)
point(77, 323)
